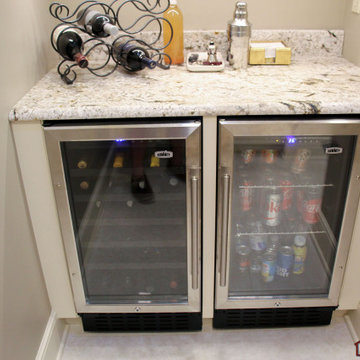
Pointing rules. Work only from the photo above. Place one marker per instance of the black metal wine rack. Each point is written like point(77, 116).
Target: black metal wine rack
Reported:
point(104, 63)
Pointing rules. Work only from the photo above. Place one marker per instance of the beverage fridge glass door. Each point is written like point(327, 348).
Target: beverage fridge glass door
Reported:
point(129, 205)
point(284, 222)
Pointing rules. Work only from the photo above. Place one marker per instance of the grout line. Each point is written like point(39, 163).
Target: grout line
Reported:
point(351, 328)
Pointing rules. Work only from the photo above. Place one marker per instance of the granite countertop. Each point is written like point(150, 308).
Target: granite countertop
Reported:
point(323, 84)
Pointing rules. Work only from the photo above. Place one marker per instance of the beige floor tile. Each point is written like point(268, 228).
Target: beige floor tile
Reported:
point(310, 343)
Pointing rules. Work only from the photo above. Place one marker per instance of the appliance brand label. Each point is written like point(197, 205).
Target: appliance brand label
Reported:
point(334, 150)
point(164, 154)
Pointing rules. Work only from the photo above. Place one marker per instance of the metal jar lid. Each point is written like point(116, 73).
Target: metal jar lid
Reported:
point(240, 26)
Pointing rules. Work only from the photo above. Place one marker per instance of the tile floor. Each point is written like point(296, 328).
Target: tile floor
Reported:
point(332, 342)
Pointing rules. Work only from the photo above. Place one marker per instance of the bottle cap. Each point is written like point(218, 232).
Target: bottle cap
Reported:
point(241, 5)
point(300, 240)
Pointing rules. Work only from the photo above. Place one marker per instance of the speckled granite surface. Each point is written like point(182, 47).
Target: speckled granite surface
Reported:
point(323, 84)
point(302, 42)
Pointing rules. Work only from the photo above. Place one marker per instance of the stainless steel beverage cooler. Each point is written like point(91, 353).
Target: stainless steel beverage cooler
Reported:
point(288, 192)
point(129, 203)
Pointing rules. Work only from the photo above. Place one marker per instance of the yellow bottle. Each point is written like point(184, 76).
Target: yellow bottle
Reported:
point(155, 162)
point(176, 48)
point(118, 161)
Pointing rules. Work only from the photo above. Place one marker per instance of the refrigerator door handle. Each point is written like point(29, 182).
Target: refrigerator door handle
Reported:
point(195, 231)
point(224, 229)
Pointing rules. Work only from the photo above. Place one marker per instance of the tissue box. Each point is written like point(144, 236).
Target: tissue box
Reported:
point(269, 52)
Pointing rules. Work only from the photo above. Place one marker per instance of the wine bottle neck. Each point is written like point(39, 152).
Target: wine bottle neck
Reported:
point(111, 29)
point(151, 64)
point(81, 60)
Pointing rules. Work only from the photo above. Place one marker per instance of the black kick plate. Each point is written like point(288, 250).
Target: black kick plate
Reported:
point(264, 318)
point(142, 322)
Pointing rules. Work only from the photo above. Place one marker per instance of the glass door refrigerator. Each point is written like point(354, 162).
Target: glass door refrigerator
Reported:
point(288, 192)
point(129, 204)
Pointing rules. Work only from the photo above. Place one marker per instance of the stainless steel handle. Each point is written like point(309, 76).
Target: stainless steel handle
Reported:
point(195, 231)
point(224, 229)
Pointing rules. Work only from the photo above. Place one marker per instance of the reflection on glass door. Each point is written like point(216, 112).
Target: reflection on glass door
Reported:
point(129, 214)
point(286, 201)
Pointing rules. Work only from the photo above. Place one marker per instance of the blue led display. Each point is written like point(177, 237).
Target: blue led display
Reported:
point(291, 139)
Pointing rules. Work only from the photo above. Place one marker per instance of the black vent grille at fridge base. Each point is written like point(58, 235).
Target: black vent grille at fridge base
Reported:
point(142, 322)
point(263, 318)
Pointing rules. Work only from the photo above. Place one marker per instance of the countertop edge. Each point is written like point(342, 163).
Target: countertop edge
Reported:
point(256, 109)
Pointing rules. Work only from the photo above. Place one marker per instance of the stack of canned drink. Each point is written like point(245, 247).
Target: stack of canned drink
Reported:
point(268, 256)
point(275, 201)
point(277, 192)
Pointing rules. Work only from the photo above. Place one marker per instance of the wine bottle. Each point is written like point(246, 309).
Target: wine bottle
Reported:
point(82, 164)
point(132, 57)
point(70, 45)
point(100, 25)
point(84, 185)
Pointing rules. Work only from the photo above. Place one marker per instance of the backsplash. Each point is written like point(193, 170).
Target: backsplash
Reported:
point(302, 42)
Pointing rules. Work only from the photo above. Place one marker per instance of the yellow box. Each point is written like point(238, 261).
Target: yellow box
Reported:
point(269, 52)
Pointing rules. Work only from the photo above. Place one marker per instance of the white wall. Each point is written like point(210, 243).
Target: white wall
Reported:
point(24, 305)
point(264, 14)
point(352, 33)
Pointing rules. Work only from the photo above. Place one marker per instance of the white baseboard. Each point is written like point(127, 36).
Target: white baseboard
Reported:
point(351, 328)
point(63, 340)
point(52, 341)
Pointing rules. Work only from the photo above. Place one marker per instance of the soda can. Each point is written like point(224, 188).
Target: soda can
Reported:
point(247, 156)
point(243, 252)
point(300, 161)
point(246, 193)
point(269, 156)
point(300, 251)
point(312, 205)
point(287, 189)
point(273, 207)
point(268, 266)
point(285, 260)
